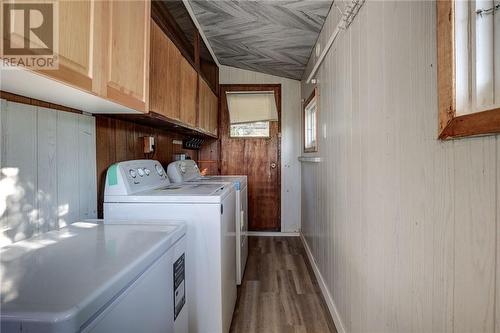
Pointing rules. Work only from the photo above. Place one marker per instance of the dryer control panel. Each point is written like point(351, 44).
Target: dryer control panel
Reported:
point(129, 177)
point(182, 171)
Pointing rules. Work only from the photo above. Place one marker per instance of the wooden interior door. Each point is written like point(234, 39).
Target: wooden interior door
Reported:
point(259, 159)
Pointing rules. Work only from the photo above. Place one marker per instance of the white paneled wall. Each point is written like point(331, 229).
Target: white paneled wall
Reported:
point(291, 138)
point(402, 226)
point(47, 168)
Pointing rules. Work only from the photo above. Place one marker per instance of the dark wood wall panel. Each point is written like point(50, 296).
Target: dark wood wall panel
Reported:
point(120, 140)
point(209, 157)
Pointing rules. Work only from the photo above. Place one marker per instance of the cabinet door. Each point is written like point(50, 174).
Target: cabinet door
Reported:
point(75, 44)
point(188, 85)
point(128, 53)
point(214, 113)
point(204, 106)
point(165, 73)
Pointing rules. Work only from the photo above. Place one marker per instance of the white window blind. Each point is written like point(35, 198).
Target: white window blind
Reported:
point(249, 107)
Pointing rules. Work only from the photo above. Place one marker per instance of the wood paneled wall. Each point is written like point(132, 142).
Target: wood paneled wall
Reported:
point(47, 168)
point(403, 227)
point(209, 157)
point(120, 140)
point(291, 132)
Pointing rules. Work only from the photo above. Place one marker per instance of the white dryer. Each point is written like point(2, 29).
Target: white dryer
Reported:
point(141, 189)
point(92, 277)
point(186, 171)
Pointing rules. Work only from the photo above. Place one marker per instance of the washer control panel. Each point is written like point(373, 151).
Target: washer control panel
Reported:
point(130, 177)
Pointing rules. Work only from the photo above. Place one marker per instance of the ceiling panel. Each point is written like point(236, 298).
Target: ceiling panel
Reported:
point(273, 37)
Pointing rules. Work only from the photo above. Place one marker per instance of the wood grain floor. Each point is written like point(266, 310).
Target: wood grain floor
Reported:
point(279, 292)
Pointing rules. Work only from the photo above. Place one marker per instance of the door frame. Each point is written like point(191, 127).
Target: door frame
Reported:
point(276, 87)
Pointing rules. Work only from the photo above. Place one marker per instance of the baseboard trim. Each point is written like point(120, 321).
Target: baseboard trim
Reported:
point(324, 290)
point(273, 234)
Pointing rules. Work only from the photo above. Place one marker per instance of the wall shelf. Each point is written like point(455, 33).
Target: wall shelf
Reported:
point(310, 159)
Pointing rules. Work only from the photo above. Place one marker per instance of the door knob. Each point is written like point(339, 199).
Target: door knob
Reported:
point(273, 165)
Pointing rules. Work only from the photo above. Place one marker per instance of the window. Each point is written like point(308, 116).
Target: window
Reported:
point(250, 113)
point(258, 129)
point(468, 67)
point(310, 123)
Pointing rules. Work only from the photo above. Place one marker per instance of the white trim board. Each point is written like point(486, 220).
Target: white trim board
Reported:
point(324, 289)
point(273, 234)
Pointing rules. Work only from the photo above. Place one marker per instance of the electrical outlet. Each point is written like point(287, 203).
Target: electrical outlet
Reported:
point(149, 144)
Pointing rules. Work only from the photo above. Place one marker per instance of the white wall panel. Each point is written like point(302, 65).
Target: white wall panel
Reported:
point(87, 163)
point(47, 170)
point(402, 226)
point(19, 174)
point(291, 138)
point(475, 234)
point(68, 168)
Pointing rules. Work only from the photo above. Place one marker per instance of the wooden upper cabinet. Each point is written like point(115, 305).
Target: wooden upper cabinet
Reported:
point(208, 108)
point(165, 74)
point(127, 65)
point(203, 105)
point(188, 86)
point(214, 113)
point(173, 81)
point(75, 44)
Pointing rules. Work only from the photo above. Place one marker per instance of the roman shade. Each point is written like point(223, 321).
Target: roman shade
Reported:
point(251, 106)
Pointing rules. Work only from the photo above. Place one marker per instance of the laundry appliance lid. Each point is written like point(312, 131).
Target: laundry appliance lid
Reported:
point(58, 280)
point(240, 181)
point(177, 193)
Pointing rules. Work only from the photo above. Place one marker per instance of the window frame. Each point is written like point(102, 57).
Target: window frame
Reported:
point(450, 125)
point(251, 137)
point(313, 97)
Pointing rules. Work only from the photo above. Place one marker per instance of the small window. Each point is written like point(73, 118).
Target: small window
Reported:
point(258, 129)
point(468, 77)
point(310, 123)
point(250, 113)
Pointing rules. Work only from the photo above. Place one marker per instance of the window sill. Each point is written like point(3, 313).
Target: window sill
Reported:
point(310, 159)
point(479, 123)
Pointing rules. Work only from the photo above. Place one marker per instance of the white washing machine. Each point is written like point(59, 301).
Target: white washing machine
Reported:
point(186, 171)
point(92, 277)
point(141, 189)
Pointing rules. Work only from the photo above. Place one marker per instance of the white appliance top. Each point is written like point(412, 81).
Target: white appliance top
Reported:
point(62, 278)
point(122, 186)
point(184, 193)
point(239, 182)
point(188, 171)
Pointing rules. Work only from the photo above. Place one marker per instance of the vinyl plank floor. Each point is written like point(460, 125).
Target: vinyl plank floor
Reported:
point(279, 293)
